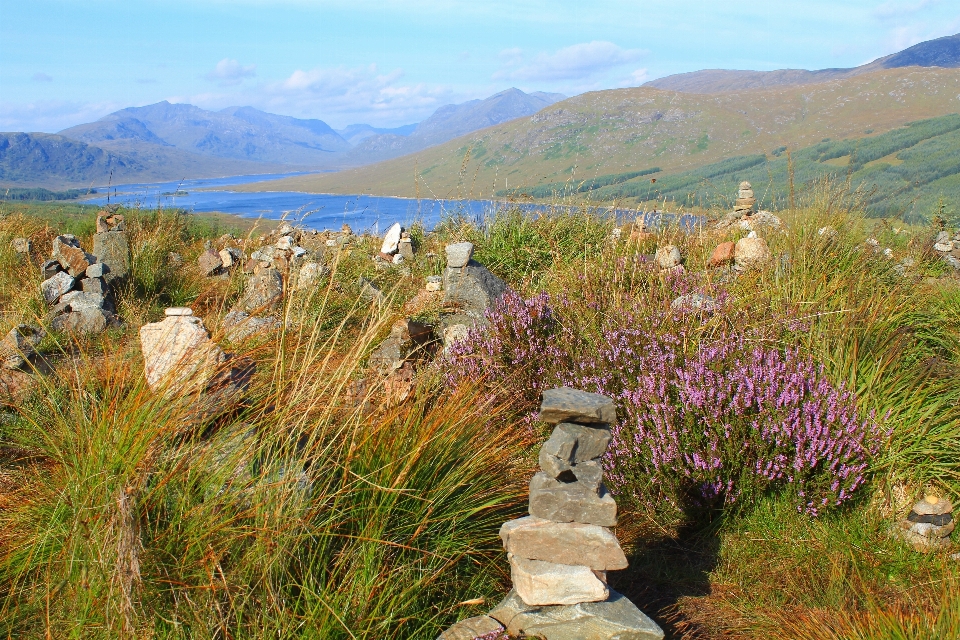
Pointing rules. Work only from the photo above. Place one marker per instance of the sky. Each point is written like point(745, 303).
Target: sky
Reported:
point(393, 62)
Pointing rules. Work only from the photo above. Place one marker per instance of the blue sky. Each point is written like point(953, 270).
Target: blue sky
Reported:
point(390, 62)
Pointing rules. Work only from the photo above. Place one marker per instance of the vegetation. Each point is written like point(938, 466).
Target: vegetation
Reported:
point(326, 506)
point(43, 195)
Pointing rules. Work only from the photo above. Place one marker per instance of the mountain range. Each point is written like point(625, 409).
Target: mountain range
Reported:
point(166, 141)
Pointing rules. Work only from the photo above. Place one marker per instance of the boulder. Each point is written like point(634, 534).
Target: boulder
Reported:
point(209, 263)
point(391, 240)
point(476, 628)
point(558, 501)
point(472, 288)
point(179, 357)
point(56, 286)
point(614, 619)
point(67, 251)
point(112, 249)
point(563, 543)
point(459, 255)
point(566, 404)
point(19, 345)
point(668, 257)
point(547, 583)
point(751, 253)
point(263, 291)
point(722, 255)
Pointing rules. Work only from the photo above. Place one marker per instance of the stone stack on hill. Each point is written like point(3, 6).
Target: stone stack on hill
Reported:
point(76, 287)
point(948, 248)
point(929, 524)
point(745, 200)
point(111, 247)
point(560, 554)
point(469, 290)
point(397, 245)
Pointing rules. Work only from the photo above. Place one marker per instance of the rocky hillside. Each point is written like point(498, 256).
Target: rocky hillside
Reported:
point(640, 129)
point(942, 52)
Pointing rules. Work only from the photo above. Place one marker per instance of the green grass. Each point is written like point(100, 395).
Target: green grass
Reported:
point(323, 508)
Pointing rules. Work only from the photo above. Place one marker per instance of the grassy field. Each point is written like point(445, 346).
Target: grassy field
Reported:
point(610, 132)
point(324, 508)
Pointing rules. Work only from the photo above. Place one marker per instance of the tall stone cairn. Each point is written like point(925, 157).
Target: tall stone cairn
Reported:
point(560, 554)
point(745, 199)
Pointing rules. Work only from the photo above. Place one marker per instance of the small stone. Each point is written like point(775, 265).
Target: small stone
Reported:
point(51, 268)
point(81, 300)
point(616, 618)
point(209, 263)
point(453, 334)
point(397, 259)
point(86, 319)
point(21, 245)
point(722, 255)
point(476, 628)
point(571, 502)
point(668, 257)
point(458, 255)
point(589, 474)
point(226, 258)
point(547, 583)
point(240, 325)
point(391, 239)
point(95, 285)
point(406, 248)
point(944, 247)
point(310, 274)
point(66, 249)
point(299, 252)
point(575, 443)
point(566, 404)
point(434, 283)
point(285, 243)
point(751, 253)
point(97, 270)
point(178, 312)
point(563, 543)
point(332, 242)
point(938, 507)
point(56, 286)
point(369, 291)
point(695, 302)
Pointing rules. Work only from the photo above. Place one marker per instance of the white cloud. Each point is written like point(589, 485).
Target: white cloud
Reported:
point(894, 10)
point(229, 73)
point(582, 61)
point(635, 79)
point(41, 77)
point(52, 115)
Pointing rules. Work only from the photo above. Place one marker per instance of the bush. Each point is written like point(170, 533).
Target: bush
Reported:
point(705, 418)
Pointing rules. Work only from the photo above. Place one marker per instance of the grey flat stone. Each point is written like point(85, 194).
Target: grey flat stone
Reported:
point(614, 619)
point(459, 255)
point(95, 285)
point(574, 443)
point(80, 300)
point(97, 270)
point(544, 583)
point(571, 502)
point(51, 268)
point(563, 543)
point(589, 474)
point(563, 404)
point(928, 508)
point(473, 629)
point(19, 344)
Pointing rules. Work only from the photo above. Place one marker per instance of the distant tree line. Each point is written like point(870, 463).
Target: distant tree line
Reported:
point(43, 195)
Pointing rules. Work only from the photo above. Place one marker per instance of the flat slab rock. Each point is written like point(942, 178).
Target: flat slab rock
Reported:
point(572, 405)
point(571, 502)
point(614, 619)
point(547, 583)
point(476, 628)
point(563, 543)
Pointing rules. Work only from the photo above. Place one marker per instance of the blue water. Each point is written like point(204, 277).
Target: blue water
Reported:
point(316, 211)
point(323, 211)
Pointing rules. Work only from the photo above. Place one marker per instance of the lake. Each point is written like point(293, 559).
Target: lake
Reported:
point(321, 211)
point(313, 210)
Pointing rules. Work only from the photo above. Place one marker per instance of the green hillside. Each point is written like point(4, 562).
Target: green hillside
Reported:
point(622, 131)
point(902, 172)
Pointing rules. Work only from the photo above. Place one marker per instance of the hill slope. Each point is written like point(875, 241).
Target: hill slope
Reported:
point(942, 52)
point(632, 130)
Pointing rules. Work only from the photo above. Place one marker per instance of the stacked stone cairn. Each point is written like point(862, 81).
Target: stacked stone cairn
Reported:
point(397, 246)
point(75, 285)
point(111, 247)
point(948, 247)
point(469, 290)
point(560, 554)
point(745, 200)
point(928, 525)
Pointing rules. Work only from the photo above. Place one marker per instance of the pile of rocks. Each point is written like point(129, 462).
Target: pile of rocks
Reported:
point(743, 215)
point(111, 247)
point(560, 554)
point(948, 248)
point(186, 366)
point(928, 525)
point(469, 290)
point(75, 285)
point(397, 245)
point(745, 200)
